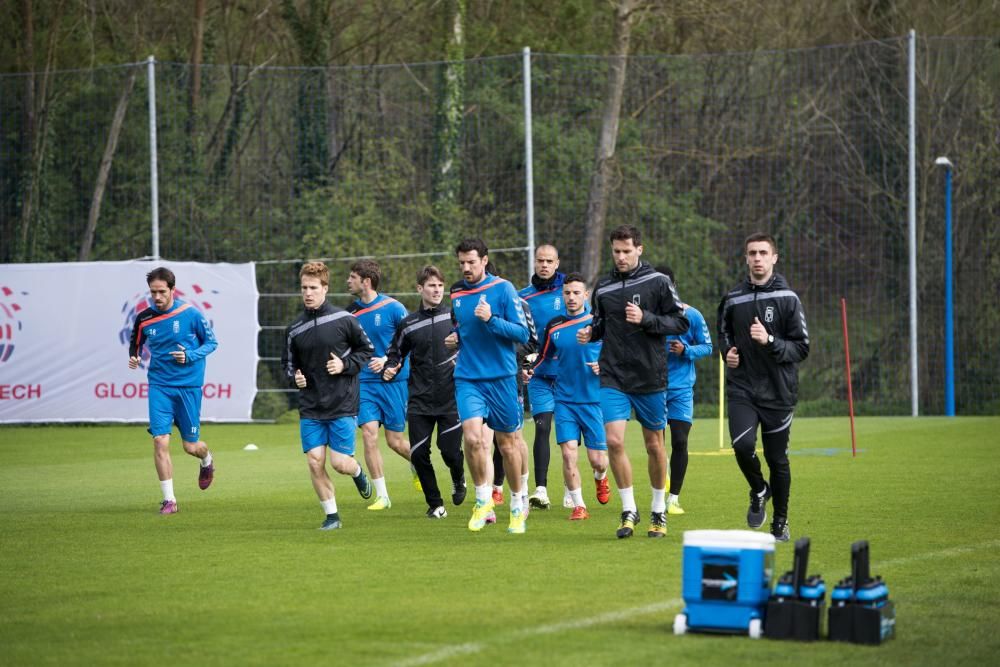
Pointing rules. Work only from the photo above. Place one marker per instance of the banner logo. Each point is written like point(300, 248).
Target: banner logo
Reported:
point(10, 321)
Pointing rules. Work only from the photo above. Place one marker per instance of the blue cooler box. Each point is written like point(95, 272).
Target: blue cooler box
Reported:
point(726, 581)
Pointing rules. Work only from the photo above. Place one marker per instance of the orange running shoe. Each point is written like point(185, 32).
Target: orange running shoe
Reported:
point(603, 491)
point(579, 513)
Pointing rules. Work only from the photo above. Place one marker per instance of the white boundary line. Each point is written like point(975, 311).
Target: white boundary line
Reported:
point(471, 648)
point(456, 650)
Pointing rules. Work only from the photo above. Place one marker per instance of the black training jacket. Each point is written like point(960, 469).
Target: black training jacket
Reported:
point(767, 374)
point(431, 385)
point(634, 356)
point(309, 340)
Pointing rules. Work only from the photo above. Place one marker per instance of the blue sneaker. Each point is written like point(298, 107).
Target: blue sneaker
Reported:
point(332, 522)
point(364, 485)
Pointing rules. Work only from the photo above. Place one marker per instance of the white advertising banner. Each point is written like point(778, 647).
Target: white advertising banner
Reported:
point(65, 329)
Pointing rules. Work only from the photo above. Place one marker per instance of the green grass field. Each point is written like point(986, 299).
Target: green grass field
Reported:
point(92, 575)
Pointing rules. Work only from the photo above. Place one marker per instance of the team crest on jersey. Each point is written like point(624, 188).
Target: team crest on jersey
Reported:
point(769, 314)
point(378, 319)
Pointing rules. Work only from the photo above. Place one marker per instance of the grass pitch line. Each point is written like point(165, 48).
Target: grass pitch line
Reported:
point(448, 652)
point(931, 555)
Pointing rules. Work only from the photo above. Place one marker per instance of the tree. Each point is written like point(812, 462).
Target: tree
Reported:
point(600, 181)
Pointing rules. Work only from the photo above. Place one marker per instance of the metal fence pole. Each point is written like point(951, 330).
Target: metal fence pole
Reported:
point(912, 217)
point(154, 185)
point(529, 184)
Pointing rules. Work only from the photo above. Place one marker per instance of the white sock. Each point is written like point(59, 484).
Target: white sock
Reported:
point(628, 500)
point(498, 489)
point(167, 487)
point(524, 484)
point(577, 496)
point(207, 461)
point(380, 489)
point(671, 498)
point(483, 493)
point(515, 502)
point(358, 473)
point(600, 475)
point(659, 500)
point(329, 506)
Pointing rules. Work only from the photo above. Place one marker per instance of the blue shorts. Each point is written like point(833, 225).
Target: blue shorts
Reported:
point(541, 394)
point(572, 419)
point(385, 403)
point(680, 405)
point(337, 434)
point(168, 405)
point(649, 408)
point(496, 401)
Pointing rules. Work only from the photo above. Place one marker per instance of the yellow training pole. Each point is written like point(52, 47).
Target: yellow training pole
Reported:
point(722, 401)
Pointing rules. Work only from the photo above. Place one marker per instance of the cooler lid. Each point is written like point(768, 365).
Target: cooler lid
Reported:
point(729, 539)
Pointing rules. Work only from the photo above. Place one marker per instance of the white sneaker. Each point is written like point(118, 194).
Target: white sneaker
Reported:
point(539, 499)
point(568, 500)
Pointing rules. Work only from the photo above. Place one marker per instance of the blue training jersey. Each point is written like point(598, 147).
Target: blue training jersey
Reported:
point(575, 380)
point(697, 344)
point(488, 349)
point(545, 303)
point(379, 319)
point(183, 326)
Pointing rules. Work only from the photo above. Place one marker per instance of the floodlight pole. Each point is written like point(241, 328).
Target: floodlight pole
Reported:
point(911, 207)
point(529, 185)
point(154, 187)
point(949, 303)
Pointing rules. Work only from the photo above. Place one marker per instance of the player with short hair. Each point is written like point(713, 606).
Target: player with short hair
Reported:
point(325, 349)
point(577, 405)
point(763, 336)
point(490, 324)
point(383, 403)
point(421, 337)
point(682, 352)
point(544, 298)
point(178, 338)
point(635, 308)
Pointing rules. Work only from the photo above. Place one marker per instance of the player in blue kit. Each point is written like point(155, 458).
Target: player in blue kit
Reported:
point(383, 402)
point(178, 339)
point(544, 299)
point(490, 324)
point(682, 352)
point(577, 404)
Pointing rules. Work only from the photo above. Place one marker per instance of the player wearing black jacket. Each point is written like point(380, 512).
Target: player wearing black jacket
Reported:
point(325, 349)
point(634, 310)
point(762, 337)
point(420, 335)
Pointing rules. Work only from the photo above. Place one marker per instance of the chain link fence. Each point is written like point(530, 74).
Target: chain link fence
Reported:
point(276, 165)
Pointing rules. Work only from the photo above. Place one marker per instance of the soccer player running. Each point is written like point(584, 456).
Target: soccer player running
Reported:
point(421, 337)
point(325, 349)
point(544, 298)
point(178, 339)
point(634, 309)
point(763, 336)
point(382, 403)
point(490, 322)
point(577, 394)
point(682, 352)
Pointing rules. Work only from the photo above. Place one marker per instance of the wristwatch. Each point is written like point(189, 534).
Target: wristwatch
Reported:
point(770, 339)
